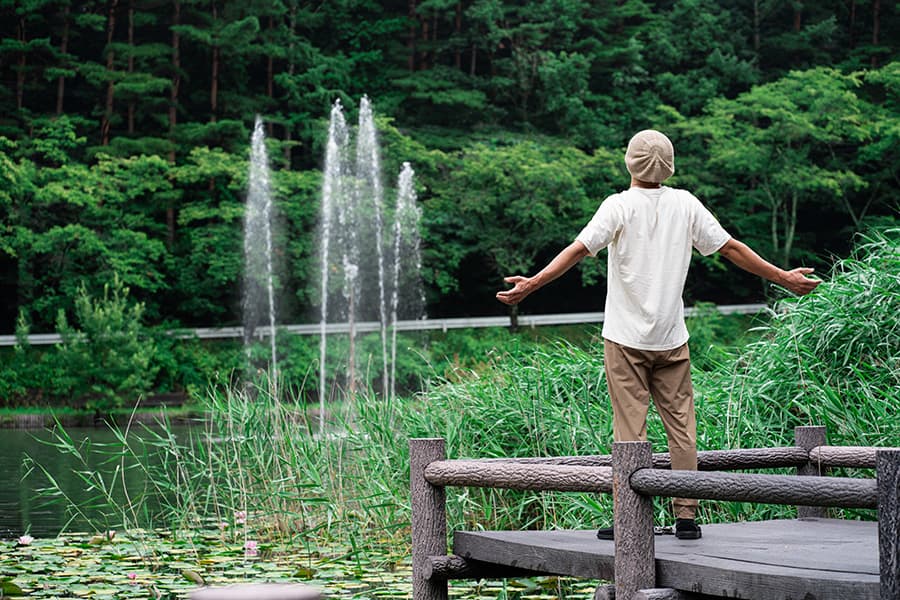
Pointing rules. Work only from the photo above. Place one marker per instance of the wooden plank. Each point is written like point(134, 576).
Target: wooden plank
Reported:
point(707, 460)
point(748, 487)
point(560, 552)
point(719, 577)
point(477, 473)
point(453, 566)
point(846, 456)
point(667, 594)
point(829, 559)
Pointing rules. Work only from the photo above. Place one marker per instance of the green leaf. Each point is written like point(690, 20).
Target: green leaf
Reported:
point(193, 576)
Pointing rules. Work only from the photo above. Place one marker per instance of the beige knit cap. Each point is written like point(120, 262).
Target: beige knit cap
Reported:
point(650, 156)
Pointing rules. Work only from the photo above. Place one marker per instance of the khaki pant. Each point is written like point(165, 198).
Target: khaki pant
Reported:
point(633, 377)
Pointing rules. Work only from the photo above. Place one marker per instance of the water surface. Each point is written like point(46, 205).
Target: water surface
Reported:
point(25, 508)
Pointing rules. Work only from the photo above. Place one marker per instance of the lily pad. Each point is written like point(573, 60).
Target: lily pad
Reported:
point(8, 588)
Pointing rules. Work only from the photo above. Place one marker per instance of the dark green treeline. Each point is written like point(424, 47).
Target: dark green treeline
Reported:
point(124, 126)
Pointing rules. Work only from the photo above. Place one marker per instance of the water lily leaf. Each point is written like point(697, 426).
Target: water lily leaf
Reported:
point(8, 588)
point(304, 572)
point(81, 590)
point(193, 576)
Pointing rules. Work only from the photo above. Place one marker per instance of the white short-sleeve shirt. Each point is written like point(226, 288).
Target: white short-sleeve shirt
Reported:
point(650, 234)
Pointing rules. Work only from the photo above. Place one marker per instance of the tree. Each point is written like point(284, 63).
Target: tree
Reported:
point(690, 70)
point(208, 254)
point(782, 152)
point(75, 224)
point(105, 358)
point(230, 39)
point(25, 46)
point(506, 206)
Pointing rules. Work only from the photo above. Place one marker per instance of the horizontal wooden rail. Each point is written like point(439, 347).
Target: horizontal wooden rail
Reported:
point(767, 489)
point(639, 475)
point(453, 566)
point(707, 460)
point(845, 456)
point(517, 476)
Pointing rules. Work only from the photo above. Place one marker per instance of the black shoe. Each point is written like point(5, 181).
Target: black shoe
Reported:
point(687, 529)
point(605, 533)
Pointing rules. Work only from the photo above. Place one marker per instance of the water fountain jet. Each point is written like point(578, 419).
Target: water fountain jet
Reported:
point(258, 297)
point(353, 215)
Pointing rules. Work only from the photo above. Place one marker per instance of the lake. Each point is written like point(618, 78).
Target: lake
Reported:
point(23, 508)
point(68, 565)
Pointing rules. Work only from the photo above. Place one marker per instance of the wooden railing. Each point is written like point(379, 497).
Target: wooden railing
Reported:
point(634, 475)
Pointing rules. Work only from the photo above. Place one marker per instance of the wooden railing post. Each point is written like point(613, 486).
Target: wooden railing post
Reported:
point(809, 437)
point(887, 466)
point(635, 567)
point(429, 518)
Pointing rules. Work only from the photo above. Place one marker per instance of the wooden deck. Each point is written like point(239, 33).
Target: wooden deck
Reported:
point(808, 559)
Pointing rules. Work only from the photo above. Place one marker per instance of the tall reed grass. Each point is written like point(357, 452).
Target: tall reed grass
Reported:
point(830, 358)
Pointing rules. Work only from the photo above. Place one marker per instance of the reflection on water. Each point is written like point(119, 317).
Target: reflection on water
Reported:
point(22, 506)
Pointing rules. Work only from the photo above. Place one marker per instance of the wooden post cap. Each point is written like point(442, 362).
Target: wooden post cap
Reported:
point(258, 591)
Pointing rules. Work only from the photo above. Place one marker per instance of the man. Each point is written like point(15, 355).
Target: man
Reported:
point(650, 231)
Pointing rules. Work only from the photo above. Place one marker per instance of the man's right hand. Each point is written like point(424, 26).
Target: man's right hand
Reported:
point(796, 280)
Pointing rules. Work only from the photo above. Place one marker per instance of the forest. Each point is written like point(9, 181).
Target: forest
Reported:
point(125, 125)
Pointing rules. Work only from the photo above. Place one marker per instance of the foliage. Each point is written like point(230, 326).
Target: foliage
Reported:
point(123, 144)
point(104, 359)
point(540, 196)
point(785, 146)
point(830, 358)
point(161, 565)
point(715, 337)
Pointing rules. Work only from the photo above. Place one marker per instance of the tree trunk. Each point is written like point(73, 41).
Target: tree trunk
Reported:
point(270, 76)
point(110, 86)
point(173, 113)
point(876, 26)
point(20, 74)
point(798, 16)
point(411, 38)
point(473, 61)
point(214, 85)
point(288, 132)
point(756, 29)
point(423, 57)
point(790, 230)
point(775, 205)
point(514, 318)
point(457, 30)
point(131, 102)
point(852, 40)
point(63, 48)
point(176, 76)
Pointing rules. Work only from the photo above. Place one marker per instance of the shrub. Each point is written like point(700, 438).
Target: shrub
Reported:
point(105, 358)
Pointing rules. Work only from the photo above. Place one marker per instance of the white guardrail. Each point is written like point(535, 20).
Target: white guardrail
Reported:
point(215, 333)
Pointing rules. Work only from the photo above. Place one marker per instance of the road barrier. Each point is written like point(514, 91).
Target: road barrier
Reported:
point(213, 333)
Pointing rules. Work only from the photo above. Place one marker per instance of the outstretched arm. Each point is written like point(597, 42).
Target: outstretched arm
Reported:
point(795, 280)
point(523, 286)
